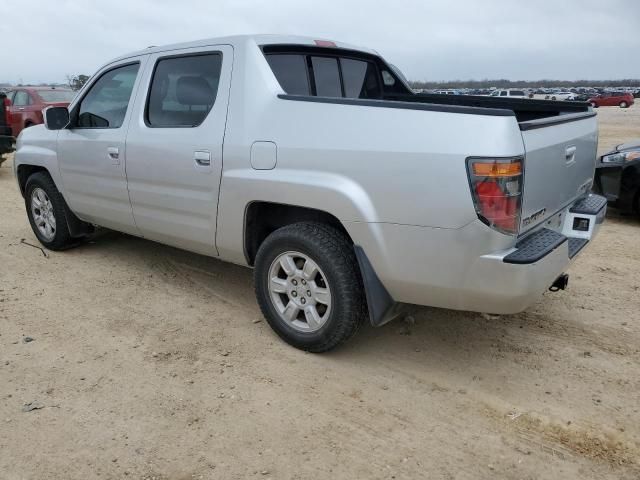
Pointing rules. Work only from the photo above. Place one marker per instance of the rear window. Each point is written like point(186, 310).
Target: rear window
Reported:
point(359, 78)
point(326, 76)
point(52, 96)
point(291, 72)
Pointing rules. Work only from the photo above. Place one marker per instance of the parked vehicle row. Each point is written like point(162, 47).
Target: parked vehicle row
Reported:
point(597, 97)
point(317, 165)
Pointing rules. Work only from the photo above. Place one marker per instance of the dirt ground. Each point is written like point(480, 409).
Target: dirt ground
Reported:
point(148, 362)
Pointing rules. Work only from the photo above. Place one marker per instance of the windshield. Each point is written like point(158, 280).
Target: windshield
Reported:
point(52, 96)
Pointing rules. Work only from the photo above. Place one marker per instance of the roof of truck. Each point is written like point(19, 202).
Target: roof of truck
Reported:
point(261, 39)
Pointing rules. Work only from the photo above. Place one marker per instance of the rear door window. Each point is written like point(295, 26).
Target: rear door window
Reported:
point(183, 90)
point(21, 99)
point(326, 76)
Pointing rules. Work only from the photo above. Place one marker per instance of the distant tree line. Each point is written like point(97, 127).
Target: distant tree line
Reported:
point(76, 82)
point(503, 83)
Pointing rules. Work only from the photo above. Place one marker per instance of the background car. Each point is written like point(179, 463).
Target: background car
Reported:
point(618, 177)
point(612, 99)
point(27, 103)
point(511, 93)
point(560, 96)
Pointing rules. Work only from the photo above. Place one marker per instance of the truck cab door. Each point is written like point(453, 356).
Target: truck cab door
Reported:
point(91, 151)
point(174, 146)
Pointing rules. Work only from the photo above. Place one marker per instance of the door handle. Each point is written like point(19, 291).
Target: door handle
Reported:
point(21, 108)
point(569, 154)
point(202, 158)
point(114, 155)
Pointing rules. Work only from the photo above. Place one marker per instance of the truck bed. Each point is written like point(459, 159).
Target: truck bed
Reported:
point(524, 109)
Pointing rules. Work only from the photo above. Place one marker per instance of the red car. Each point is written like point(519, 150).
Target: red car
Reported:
point(614, 99)
point(26, 105)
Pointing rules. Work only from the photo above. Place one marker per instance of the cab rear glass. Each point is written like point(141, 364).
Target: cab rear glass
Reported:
point(326, 72)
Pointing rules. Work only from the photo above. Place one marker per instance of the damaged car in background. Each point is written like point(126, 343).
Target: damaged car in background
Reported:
point(618, 177)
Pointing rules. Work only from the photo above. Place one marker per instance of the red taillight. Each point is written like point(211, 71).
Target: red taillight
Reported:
point(496, 188)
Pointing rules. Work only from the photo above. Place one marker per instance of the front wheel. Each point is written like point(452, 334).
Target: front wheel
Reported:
point(624, 104)
point(47, 212)
point(309, 287)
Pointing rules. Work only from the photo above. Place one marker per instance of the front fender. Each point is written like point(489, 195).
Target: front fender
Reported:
point(36, 147)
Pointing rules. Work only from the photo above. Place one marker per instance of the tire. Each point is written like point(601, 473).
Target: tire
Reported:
point(623, 104)
point(41, 192)
point(335, 289)
point(594, 105)
point(553, 98)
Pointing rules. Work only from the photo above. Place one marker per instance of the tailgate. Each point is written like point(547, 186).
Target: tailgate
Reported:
point(560, 156)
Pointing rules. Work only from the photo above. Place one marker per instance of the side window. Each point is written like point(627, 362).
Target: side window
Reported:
point(326, 76)
point(10, 95)
point(388, 79)
point(291, 72)
point(503, 93)
point(183, 90)
point(105, 104)
point(21, 98)
point(360, 79)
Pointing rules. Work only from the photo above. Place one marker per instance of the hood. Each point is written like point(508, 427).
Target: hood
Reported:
point(628, 145)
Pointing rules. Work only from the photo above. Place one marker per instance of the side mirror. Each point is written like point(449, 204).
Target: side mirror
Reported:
point(56, 118)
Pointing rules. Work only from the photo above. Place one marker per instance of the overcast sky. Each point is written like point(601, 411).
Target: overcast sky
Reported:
point(43, 40)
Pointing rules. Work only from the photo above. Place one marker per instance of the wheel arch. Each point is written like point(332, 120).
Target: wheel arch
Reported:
point(25, 170)
point(263, 217)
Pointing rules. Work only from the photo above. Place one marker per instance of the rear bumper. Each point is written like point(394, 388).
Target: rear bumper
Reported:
point(475, 268)
point(509, 281)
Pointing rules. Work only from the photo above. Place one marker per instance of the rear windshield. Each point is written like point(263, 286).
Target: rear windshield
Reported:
point(51, 96)
point(327, 75)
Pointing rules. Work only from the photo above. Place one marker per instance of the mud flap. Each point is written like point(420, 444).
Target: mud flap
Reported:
point(382, 307)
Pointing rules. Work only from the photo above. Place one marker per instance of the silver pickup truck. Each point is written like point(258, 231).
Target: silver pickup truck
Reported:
point(313, 162)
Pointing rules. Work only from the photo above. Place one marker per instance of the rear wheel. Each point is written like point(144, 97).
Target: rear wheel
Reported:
point(47, 212)
point(309, 287)
point(624, 104)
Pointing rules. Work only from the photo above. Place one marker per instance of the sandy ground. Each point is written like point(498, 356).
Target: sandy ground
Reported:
point(148, 362)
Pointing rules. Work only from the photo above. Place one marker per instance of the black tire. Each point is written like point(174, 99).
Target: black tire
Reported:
point(624, 104)
point(62, 238)
point(594, 105)
point(331, 250)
